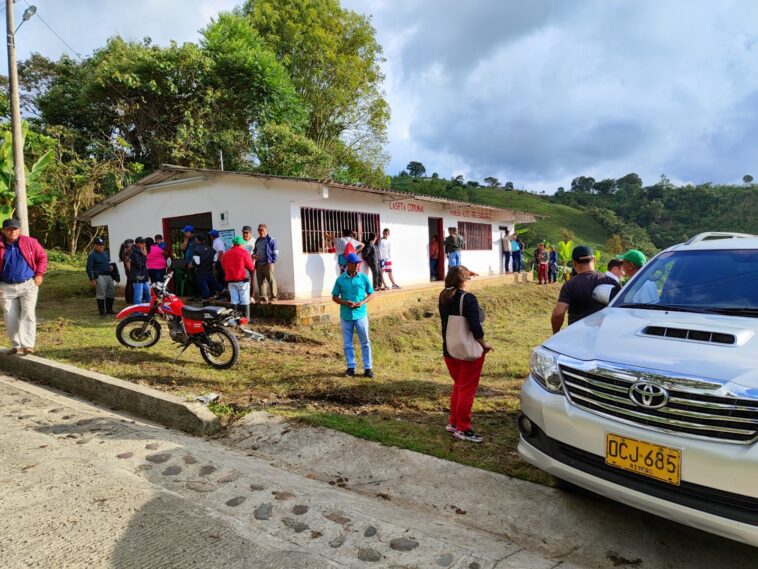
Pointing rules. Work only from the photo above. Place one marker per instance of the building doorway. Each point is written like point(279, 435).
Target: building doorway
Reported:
point(172, 230)
point(437, 231)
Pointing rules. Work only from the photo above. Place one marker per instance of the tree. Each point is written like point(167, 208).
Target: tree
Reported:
point(472, 184)
point(629, 182)
point(334, 62)
point(747, 179)
point(492, 182)
point(614, 245)
point(458, 180)
point(415, 169)
point(605, 187)
point(508, 185)
point(435, 176)
point(583, 184)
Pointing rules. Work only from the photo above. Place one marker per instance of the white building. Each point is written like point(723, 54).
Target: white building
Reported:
point(298, 212)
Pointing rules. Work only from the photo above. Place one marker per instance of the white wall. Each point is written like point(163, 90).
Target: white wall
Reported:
point(250, 201)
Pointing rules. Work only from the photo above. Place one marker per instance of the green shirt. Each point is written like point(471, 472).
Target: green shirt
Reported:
point(355, 289)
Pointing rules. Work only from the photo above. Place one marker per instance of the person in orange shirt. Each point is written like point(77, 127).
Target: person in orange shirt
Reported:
point(234, 263)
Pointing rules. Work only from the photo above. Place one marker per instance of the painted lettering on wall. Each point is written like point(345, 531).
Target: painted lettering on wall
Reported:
point(470, 213)
point(402, 206)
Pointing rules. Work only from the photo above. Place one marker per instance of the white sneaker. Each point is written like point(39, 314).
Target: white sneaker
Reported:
point(469, 436)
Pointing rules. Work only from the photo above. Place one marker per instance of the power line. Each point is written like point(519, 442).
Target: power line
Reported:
point(49, 27)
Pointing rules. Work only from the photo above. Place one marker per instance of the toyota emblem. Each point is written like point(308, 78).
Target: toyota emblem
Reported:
point(648, 395)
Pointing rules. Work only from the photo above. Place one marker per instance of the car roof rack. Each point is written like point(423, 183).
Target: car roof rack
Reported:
point(713, 235)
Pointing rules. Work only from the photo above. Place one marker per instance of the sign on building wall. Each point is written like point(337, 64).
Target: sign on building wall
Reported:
point(226, 235)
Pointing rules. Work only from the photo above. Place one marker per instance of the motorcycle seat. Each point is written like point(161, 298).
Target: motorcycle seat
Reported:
point(204, 313)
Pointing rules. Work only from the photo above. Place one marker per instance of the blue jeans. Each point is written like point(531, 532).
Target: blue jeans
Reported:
point(433, 264)
point(518, 264)
point(349, 327)
point(206, 283)
point(239, 293)
point(141, 292)
point(506, 259)
point(453, 259)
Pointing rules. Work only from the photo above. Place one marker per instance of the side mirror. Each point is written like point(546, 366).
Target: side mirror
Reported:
point(604, 293)
point(169, 262)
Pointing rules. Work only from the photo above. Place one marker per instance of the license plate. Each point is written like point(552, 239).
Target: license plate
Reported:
point(656, 461)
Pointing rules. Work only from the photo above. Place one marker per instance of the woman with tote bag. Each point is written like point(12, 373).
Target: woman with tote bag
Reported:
point(464, 349)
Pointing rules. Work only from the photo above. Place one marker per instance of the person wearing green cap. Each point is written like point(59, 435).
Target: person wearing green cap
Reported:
point(235, 262)
point(633, 262)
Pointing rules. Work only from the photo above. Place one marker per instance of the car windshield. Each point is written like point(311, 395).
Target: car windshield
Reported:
point(719, 281)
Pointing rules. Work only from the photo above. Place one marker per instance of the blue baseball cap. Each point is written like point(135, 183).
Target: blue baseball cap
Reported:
point(353, 258)
point(188, 228)
point(213, 233)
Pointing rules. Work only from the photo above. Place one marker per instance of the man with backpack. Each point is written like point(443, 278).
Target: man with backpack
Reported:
point(202, 262)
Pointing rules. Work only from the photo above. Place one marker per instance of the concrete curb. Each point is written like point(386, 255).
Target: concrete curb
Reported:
point(117, 394)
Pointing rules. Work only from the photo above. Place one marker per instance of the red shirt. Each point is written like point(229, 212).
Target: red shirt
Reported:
point(234, 262)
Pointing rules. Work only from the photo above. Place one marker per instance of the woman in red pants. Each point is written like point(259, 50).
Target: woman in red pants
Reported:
point(465, 373)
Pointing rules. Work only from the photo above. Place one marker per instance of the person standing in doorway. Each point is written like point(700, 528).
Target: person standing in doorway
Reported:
point(100, 277)
point(465, 373)
point(352, 291)
point(454, 244)
point(156, 260)
point(219, 249)
point(23, 263)
point(517, 249)
point(434, 257)
point(385, 259)
point(238, 266)
point(266, 256)
point(188, 246)
point(137, 269)
point(202, 260)
point(506, 242)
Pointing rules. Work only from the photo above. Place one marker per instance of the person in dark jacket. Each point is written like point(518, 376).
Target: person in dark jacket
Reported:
point(99, 274)
point(23, 263)
point(136, 266)
point(265, 257)
point(202, 262)
point(465, 373)
point(123, 255)
point(370, 254)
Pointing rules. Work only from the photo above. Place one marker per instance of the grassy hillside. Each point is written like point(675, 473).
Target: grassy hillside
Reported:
point(558, 221)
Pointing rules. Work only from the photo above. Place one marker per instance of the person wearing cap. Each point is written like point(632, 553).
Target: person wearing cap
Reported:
point(202, 261)
point(188, 245)
point(633, 260)
point(352, 291)
point(136, 266)
point(101, 278)
point(266, 255)
point(576, 294)
point(238, 266)
point(23, 263)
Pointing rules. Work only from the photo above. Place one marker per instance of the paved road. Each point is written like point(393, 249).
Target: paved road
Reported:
point(85, 487)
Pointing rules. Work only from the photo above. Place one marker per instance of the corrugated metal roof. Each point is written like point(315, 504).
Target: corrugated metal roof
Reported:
point(168, 172)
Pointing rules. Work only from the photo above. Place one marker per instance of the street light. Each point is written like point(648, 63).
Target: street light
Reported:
point(19, 174)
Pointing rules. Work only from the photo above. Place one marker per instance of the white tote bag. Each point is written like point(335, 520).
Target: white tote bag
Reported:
point(461, 344)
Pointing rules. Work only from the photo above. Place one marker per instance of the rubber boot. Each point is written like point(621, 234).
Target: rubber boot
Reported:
point(246, 308)
point(109, 306)
point(236, 308)
point(101, 307)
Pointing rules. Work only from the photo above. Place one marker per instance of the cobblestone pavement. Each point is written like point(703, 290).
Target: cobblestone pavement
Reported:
point(85, 487)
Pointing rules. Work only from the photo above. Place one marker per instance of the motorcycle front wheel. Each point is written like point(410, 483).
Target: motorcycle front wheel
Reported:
point(129, 332)
point(223, 349)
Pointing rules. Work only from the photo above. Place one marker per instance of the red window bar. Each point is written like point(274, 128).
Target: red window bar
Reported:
point(316, 224)
point(478, 236)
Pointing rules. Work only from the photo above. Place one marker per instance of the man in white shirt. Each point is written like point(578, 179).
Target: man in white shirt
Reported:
point(615, 270)
point(249, 246)
point(218, 252)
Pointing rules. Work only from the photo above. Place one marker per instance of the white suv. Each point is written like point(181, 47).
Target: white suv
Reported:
point(656, 405)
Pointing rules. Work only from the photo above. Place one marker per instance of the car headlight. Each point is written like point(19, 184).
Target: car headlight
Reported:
point(544, 369)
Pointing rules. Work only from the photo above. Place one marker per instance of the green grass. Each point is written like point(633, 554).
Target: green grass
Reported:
point(405, 406)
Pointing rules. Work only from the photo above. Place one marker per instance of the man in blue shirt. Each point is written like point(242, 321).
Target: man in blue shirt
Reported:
point(352, 291)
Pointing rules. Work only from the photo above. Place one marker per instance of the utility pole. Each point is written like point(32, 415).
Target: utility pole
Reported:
point(19, 175)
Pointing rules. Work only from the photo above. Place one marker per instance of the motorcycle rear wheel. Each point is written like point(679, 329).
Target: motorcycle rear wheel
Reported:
point(224, 349)
point(129, 332)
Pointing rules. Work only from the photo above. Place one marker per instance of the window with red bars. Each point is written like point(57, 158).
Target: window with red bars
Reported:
point(317, 224)
point(478, 236)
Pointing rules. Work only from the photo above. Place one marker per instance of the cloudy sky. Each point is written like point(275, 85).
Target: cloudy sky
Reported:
point(532, 91)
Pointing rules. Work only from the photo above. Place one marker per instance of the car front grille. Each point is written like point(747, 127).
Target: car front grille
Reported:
point(688, 411)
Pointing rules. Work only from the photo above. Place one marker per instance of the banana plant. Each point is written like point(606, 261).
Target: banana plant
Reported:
point(564, 250)
point(34, 189)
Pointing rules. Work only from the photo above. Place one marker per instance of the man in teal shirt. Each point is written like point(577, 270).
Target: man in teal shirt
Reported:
point(352, 292)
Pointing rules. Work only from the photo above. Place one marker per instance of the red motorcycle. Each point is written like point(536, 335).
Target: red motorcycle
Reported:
point(206, 327)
